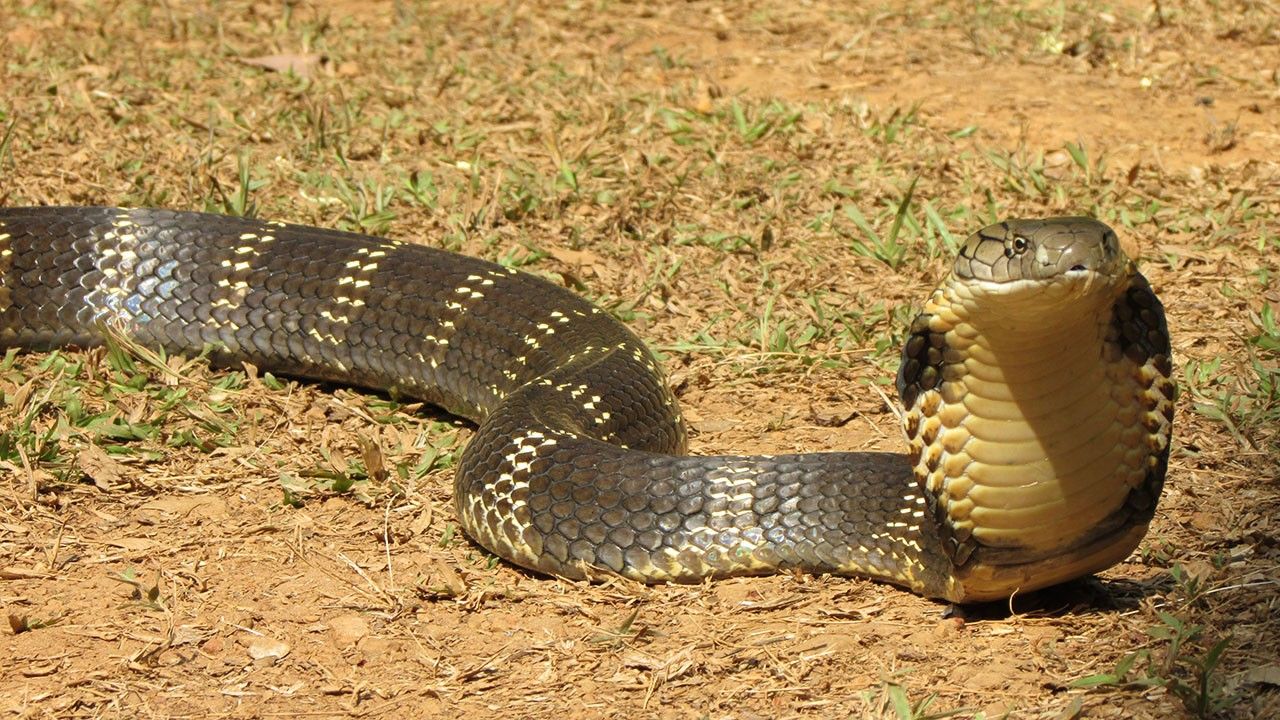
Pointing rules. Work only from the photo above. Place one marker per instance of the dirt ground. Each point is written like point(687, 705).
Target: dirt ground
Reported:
point(176, 542)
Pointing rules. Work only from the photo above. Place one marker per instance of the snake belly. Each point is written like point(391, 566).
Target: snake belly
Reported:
point(1036, 386)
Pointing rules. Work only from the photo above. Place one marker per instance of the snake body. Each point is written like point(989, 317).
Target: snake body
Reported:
point(1036, 386)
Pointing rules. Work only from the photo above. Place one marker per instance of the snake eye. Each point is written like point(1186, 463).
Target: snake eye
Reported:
point(1017, 247)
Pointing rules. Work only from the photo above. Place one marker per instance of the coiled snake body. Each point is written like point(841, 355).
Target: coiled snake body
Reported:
point(1036, 387)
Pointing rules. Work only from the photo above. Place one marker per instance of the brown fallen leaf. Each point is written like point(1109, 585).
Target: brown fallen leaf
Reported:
point(580, 262)
point(1264, 674)
point(445, 581)
point(371, 454)
point(132, 544)
point(14, 573)
point(45, 670)
point(300, 64)
point(575, 257)
point(105, 471)
point(197, 505)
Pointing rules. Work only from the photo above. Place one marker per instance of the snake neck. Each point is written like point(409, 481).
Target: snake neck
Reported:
point(1040, 448)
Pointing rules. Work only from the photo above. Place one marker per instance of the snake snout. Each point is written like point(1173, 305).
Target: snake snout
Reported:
point(1080, 246)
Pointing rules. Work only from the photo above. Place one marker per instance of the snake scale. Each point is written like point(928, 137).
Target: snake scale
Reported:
point(1036, 385)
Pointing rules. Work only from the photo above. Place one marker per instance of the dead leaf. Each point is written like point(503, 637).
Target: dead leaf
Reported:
point(13, 573)
point(584, 261)
point(189, 635)
point(42, 670)
point(202, 505)
point(1201, 520)
point(640, 661)
point(105, 471)
point(574, 257)
point(300, 64)
point(711, 427)
point(132, 544)
point(371, 454)
point(420, 523)
point(1264, 674)
point(446, 581)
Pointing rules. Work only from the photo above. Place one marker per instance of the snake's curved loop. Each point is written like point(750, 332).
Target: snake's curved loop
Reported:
point(1036, 384)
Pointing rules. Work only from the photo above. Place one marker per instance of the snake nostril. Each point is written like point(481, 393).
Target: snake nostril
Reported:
point(1077, 268)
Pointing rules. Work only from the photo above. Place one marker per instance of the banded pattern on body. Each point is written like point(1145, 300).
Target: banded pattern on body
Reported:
point(577, 465)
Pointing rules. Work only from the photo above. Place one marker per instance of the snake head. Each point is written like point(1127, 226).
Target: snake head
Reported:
point(1042, 263)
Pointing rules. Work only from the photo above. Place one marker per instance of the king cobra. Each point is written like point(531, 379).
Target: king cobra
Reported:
point(1036, 390)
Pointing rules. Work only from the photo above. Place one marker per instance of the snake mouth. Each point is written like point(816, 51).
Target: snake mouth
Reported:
point(1079, 278)
point(1075, 292)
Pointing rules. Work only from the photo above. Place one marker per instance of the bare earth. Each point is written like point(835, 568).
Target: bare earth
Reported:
point(176, 542)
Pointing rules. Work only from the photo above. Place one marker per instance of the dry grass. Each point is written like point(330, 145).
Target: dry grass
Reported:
point(175, 542)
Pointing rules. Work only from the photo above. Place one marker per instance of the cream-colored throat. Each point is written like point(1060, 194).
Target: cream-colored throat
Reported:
point(1032, 438)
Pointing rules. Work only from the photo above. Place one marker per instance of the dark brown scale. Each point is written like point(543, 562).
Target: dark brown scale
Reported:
point(932, 460)
point(912, 425)
point(1139, 326)
point(922, 361)
point(928, 436)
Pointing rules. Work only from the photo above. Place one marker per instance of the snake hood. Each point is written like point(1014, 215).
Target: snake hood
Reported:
point(1039, 405)
point(1035, 383)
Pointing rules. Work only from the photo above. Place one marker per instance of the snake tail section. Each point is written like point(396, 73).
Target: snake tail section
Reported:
point(577, 466)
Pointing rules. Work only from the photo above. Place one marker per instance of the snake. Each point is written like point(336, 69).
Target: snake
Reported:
point(1036, 388)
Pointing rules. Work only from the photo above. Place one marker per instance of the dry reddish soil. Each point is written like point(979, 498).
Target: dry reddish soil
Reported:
point(697, 168)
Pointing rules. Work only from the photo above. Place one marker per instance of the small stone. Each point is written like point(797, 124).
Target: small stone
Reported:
point(267, 650)
point(347, 630)
point(950, 626)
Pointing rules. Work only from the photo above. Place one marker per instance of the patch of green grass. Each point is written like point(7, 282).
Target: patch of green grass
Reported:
point(1246, 404)
point(817, 330)
point(135, 403)
point(1185, 654)
point(893, 127)
point(147, 596)
point(1193, 677)
point(239, 200)
point(895, 701)
point(368, 204)
point(374, 473)
point(26, 623)
point(888, 247)
point(1261, 409)
point(753, 123)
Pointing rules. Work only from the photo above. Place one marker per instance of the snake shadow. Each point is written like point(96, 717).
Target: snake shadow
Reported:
point(1090, 595)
